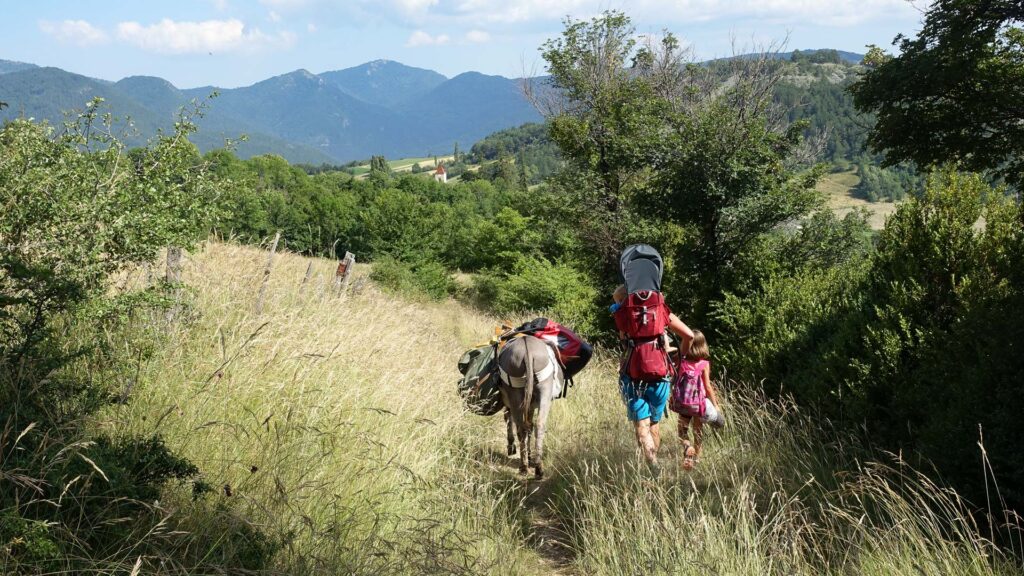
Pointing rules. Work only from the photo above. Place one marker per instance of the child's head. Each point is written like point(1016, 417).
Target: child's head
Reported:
point(698, 347)
point(620, 294)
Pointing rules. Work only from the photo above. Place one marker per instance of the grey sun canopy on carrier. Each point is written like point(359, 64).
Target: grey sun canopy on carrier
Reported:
point(641, 267)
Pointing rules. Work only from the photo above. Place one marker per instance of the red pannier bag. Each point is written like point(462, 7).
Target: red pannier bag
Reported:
point(572, 351)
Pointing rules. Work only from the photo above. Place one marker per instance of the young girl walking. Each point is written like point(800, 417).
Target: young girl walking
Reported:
point(695, 399)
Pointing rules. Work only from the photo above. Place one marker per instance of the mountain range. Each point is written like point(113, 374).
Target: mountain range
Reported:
point(381, 107)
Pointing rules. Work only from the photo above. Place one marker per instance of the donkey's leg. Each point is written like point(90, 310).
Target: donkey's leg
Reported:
point(515, 403)
point(510, 432)
point(540, 426)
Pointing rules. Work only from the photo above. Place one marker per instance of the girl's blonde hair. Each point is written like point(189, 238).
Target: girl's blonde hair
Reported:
point(698, 347)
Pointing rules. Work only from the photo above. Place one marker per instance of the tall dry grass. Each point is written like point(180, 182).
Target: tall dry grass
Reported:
point(333, 427)
point(332, 423)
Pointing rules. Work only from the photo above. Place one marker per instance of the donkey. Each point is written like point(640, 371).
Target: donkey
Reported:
point(528, 378)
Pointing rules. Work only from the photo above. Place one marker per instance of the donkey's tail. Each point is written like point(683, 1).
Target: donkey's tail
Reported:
point(531, 380)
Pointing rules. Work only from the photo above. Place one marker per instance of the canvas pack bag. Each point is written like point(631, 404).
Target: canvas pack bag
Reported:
point(479, 385)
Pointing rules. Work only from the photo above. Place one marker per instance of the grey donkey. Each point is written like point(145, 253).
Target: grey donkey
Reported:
point(526, 361)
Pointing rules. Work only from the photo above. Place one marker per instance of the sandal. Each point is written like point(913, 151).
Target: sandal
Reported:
point(689, 456)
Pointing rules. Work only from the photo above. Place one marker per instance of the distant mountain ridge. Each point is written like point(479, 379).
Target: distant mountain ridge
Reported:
point(385, 82)
point(849, 57)
point(381, 107)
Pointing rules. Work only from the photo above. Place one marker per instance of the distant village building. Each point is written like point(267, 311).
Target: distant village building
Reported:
point(440, 175)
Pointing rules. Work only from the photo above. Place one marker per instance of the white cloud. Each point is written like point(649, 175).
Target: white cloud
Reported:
point(834, 13)
point(274, 16)
point(171, 37)
point(477, 36)
point(77, 32)
point(414, 6)
point(285, 4)
point(220, 5)
point(311, 28)
point(472, 13)
point(421, 38)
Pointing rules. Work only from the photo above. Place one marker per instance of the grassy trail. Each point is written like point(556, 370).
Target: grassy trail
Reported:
point(335, 423)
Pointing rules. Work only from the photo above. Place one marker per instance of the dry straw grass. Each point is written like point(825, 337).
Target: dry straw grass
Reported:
point(334, 423)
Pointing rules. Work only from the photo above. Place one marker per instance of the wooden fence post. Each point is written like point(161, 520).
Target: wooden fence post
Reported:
point(266, 273)
point(344, 272)
point(173, 278)
point(305, 279)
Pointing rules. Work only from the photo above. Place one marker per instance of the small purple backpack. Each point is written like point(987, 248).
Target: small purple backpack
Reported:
point(688, 392)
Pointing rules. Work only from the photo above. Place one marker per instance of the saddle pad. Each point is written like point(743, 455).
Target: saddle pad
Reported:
point(549, 371)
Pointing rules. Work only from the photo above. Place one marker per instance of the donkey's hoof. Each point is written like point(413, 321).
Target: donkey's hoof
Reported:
point(523, 469)
point(511, 449)
point(538, 473)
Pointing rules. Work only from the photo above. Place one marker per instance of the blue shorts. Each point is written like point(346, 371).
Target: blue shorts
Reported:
point(644, 399)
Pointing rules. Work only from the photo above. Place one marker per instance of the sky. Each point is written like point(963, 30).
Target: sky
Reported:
point(230, 43)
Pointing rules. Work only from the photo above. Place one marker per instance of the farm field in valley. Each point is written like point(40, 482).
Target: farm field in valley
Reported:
point(839, 187)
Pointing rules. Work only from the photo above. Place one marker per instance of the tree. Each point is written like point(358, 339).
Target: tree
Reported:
point(954, 92)
point(692, 158)
point(380, 171)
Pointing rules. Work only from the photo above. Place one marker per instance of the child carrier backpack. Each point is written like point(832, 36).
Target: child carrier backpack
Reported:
point(688, 392)
point(643, 316)
point(479, 383)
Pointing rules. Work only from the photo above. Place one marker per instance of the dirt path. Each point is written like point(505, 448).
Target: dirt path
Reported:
point(548, 536)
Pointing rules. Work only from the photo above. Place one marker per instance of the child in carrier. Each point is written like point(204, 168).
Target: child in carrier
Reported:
point(695, 398)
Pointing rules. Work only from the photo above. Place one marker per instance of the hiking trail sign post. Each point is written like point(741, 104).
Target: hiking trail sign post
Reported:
point(344, 272)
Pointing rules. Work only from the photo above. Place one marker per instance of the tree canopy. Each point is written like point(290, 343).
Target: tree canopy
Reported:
point(954, 93)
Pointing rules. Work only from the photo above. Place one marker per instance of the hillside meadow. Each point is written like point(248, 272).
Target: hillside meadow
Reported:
point(330, 425)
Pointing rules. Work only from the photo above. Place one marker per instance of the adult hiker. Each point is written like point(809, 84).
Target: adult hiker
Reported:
point(642, 319)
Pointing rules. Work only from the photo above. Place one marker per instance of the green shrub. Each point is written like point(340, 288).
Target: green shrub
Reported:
point(71, 344)
point(429, 279)
point(536, 285)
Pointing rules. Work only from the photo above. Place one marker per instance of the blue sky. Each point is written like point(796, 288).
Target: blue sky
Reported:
point(231, 43)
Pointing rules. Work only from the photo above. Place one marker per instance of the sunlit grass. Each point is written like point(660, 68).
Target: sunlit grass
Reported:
point(333, 423)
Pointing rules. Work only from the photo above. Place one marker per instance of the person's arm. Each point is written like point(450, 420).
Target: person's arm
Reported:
point(679, 328)
point(709, 387)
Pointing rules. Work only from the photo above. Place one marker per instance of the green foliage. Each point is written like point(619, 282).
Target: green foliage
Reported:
point(27, 545)
point(80, 211)
point(430, 279)
point(535, 153)
point(662, 153)
point(534, 284)
point(962, 99)
point(816, 57)
point(917, 341)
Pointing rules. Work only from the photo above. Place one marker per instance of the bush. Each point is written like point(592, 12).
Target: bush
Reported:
point(429, 279)
point(919, 343)
point(536, 285)
point(72, 345)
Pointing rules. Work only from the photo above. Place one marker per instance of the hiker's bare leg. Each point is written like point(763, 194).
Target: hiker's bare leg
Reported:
point(688, 452)
point(698, 435)
point(656, 436)
point(683, 428)
point(645, 440)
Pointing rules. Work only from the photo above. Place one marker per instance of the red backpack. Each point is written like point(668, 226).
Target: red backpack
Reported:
point(643, 318)
point(572, 351)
